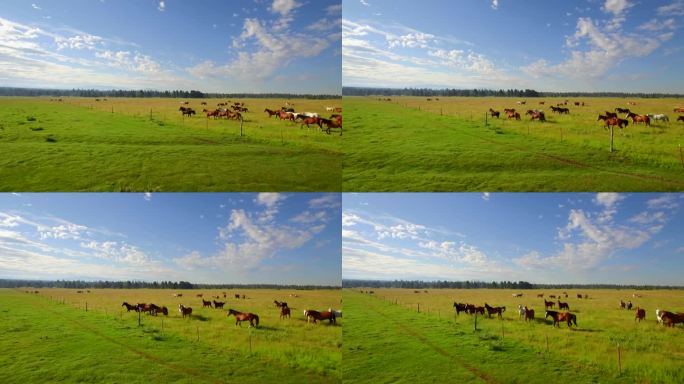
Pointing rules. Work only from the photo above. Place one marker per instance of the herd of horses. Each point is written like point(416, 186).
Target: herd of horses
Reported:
point(666, 318)
point(610, 119)
point(287, 113)
point(285, 311)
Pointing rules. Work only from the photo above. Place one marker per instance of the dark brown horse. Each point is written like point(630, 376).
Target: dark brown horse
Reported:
point(280, 304)
point(497, 310)
point(460, 307)
point(155, 309)
point(680, 118)
point(640, 314)
point(529, 314)
point(622, 304)
point(557, 317)
point(494, 113)
point(244, 316)
point(548, 304)
point(562, 305)
point(315, 316)
point(622, 110)
point(218, 304)
point(671, 319)
point(187, 111)
point(284, 311)
point(206, 304)
point(271, 113)
point(185, 311)
point(311, 120)
point(130, 307)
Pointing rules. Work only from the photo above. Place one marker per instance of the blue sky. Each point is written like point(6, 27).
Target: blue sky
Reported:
point(204, 237)
point(541, 238)
point(209, 45)
point(584, 45)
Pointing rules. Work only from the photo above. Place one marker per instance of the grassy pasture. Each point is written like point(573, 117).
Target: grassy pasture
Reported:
point(48, 339)
point(439, 346)
point(146, 145)
point(411, 144)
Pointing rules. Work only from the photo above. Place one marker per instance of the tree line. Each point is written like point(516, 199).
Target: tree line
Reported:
point(81, 284)
point(419, 284)
point(145, 93)
point(446, 92)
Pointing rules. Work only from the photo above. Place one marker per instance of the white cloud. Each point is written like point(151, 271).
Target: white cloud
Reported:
point(617, 7)
point(162, 6)
point(485, 196)
point(364, 2)
point(34, 6)
point(666, 201)
point(284, 7)
point(119, 252)
point(676, 8)
point(147, 196)
point(608, 199)
point(495, 4)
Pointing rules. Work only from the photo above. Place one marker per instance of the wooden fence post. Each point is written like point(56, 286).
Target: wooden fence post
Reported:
point(611, 139)
point(138, 318)
point(619, 360)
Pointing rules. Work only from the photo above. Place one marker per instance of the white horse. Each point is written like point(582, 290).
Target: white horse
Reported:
point(310, 114)
point(659, 117)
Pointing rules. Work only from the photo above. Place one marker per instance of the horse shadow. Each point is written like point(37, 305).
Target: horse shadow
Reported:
point(200, 317)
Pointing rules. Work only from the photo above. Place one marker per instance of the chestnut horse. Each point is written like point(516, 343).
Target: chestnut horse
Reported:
point(315, 316)
point(679, 110)
point(640, 314)
point(636, 119)
point(130, 307)
point(185, 311)
point(244, 316)
point(557, 317)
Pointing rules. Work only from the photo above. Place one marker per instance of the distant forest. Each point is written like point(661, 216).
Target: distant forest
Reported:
point(178, 94)
point(418, 284)
point(80, 284)
point(428, 92)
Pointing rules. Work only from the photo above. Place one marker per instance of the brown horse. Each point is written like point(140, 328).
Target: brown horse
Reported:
point(562, 305)
point(671, 319)
point(579, 296)
point(622, 304)
point(529, 314)
point(315, 316)
point(548, 304)
point(155, 309)
point(142, 307)
point(540, 295)
point(557, 317)
point(311, 120)
point(130, 307)
point(509, 110)
point(244, 316)
point(185, 311)
point(676, 110)
point(206, 304)
point(284, 311)
point(612, 122)
point(537, 115)
point(636, 119)
point(280, 304)
point(218, 304)
point(494, 113)
point(680, 118)
point(640, 314)
point(187, 111)
point(332, 123)
point(459, 307)
point(271, 112)
point(497, 310)
point(622, 110)
point(611, 114)
point(513, 115)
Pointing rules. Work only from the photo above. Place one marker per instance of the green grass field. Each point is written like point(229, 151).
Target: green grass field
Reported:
point(387, 340)
point(145, 145)
point(47, 341)
point(411, 144)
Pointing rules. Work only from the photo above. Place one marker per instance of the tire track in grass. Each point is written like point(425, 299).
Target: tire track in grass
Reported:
point(443, 352)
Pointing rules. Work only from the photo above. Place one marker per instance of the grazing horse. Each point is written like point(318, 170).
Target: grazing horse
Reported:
point(497, 310)
point(494, 113)
point(315, 316)
point(529, 313)
point(185, 311)
point(206, 304)
point(671, 319)
point(557, 317)
point(640, 314)
point(284, 311)
point(130, 307)
point(562, 305)
point(244, 316)
point(548, 304)
point(218, 304)
point(460, 307)
point(271, 113)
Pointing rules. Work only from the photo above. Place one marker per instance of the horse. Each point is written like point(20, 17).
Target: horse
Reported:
point(206, 304)
point(540, 295)
point(659, 117)
point(187, 111)
point(494, 113)
point(579, 296)
point(130, 307)
point(517, 294)
point(680, 118)
point(636, 119)
point(537, 115)
point(509, 110)
point(671, 319)
point(200, 294)
point(676, 110)
point(552, 296)
point(185, 311)
point(285, 115)
point(629, 305)
point(311, 120)
point(142, 307)
point(521, 311)
point(613, 122)
point(548, 304)
point(513, 115)
point(315, 316)
point(557, 317)
point(622, 110)
point(459, 307)
point(640, 314)
point(659, 315)
point(332, 124)
point(529, 313)
point(157, 309)
point(237, 296)
point(284, 311)
point(280, 304)
point(497, 310)
point(177, 295)
point(270, 112)
point(337, 313)
point(622, 304)
point(562, 305)
point(218, 304)
point(244, 316)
